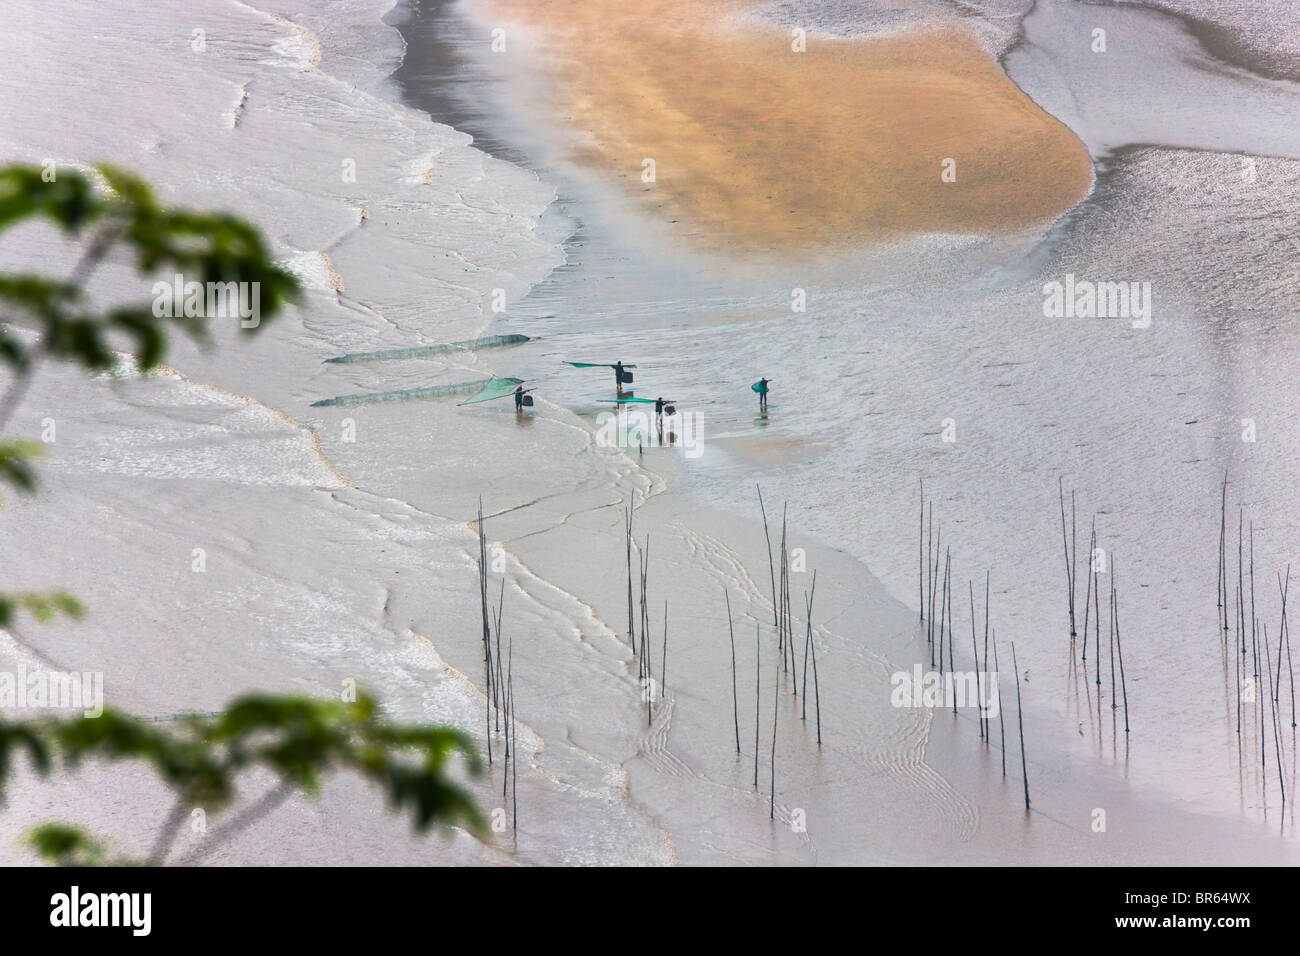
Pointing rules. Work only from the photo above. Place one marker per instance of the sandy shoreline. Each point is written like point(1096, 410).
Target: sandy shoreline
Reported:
point(759, 146)
point(377, 584)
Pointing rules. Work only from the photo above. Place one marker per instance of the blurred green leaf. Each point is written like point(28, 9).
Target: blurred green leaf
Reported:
point(65, 845)
point(202, 247)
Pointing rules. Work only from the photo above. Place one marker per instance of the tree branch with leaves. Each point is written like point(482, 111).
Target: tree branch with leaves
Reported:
point(297, 739)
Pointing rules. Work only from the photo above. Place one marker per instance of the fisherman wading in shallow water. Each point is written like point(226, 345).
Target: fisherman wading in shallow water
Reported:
point(519, 399)
point(761, 387)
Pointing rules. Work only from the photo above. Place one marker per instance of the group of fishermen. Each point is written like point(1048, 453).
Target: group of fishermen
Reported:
point(621, 377)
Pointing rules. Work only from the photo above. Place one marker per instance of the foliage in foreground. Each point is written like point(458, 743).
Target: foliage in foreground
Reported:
point(297, 739)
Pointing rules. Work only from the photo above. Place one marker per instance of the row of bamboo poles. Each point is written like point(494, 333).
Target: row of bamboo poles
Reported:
point(1251, 651)
point(936, 612)
point(1253, 660)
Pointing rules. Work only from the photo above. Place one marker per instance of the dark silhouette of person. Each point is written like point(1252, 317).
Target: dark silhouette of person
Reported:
point(762, 394)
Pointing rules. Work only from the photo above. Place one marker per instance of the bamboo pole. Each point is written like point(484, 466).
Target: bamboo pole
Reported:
point(929, 575)
point(1020, 718)
point(1096, 591)
point(1222, 594)
point(807, 642)
point(663, 659)
point(975, 651)
point(500, 671)
point(1236, 660)
point(514, 742)
point(1089, 579)
point(920, 559)
point(631, 616)
point(939, 556)
point(1277, 686)
point(947, 569)
point(514, 767)
point(488, 686)
point(771, 567)
point(1074, 566)
point(776, 707)
point(1065, 544)
point(951, 669)
point(784, 642)
point(979, 691)
point(1114, 704)
point(997, 689)
point(501, 679)
point(1286, 631)
point(817, 690)
point(735, 699)
point(758, 693)
point(1263, 742)
point(1119, 647)
point(944, 612)
point(1277, 750)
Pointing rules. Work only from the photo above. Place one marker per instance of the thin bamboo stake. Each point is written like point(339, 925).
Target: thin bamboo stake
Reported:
point(500, 671)
point(951, 669)
point(1096, 590)
point(514, 741)
point(783, 643)
point(501, 680)
point(631, 617)
point(1020, 718)
point(1222, 594)
point(1277, 750)
point(776, 706)
point(1286, 630)
point(758, 667)
point(488, 686)
point(735, 699)
point(1089, 579)
point(783, 581)
point(1236, 660)
point(1074, 566)
point(1263, 753)
point(817, 690)
point(771, 567)
point(1119, 647)
point(975, 651)
point(663, 660)
point(920, 559)
point(511, 736)
point(978, 670)
point(1241, 610)
point(1277, 685)
point(944, 612)
point(1065, 544)
point(939, 556)
point(947, 569)
point(506, 777)
point(807, 642)
point(929, 575)
point(1113, 702)
point(997, 690)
